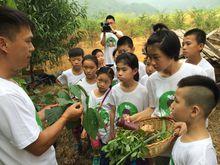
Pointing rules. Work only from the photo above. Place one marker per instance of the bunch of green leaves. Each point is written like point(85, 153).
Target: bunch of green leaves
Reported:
point(124, 143)
point(133, 144)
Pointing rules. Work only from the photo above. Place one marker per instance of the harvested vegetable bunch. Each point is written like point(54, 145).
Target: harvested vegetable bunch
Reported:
point(132, 144)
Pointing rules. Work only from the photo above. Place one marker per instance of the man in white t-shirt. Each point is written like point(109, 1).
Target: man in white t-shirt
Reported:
point(109, 38)
point(22, 138)
point(195, 98)
point(193, 42)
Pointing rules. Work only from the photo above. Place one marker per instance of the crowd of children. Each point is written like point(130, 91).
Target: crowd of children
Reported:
point(117, 86)
point(161, 86)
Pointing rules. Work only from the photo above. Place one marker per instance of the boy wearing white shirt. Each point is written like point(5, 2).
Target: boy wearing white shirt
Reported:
point(194, 100)
point(74, 74)
point(193, 42)
point(125, 44)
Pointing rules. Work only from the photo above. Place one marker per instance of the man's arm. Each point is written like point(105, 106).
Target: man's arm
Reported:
point(103, 39)
point(117, 34)
point(48, 136)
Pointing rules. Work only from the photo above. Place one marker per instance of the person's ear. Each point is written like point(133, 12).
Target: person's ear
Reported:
point(3, 44)
point(133, 49)
point(195, 111)
point(135, 70)
point(201, 46)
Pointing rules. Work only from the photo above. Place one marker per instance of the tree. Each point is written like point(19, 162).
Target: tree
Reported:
point(57, 27)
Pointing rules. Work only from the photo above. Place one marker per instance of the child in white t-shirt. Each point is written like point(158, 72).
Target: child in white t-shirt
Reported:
point(195, 98)
point(74, 74)
point(100, 57)
point(193, 42)
point(90, 66)
point(125, 44)
point(99, 99)
point(128, 96)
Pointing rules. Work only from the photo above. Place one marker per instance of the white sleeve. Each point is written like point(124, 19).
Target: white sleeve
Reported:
point(92, 102)
point(62, 79)
point(111, 99)
point(18, 124)
point(151, 94)
point(142, 70)
point(210, 157)
point(146, 100)
point(119, 32)
point(101, 35)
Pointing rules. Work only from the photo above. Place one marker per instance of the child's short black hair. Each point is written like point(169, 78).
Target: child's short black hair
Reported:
point(75, 52)
point(107, 70)
point(168, 42)
point(11, 22)
point(110, 17)
point(91, 58)
point(125, 40)
point(159, 26)
point(131, 60)
point(198, 33)
point(95, 51)
point(203, 91)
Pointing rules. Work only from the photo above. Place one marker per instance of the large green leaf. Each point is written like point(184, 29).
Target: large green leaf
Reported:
point(63, 94)
point(53, 114)
point(100, 120)
point(75, 90)
point(64, 102)
point(91, 122)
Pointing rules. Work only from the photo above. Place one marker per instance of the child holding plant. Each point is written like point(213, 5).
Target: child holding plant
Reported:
point(128, 96)
point(195, 98)
point(98, 99)
point(74, 74)
point(163, 48)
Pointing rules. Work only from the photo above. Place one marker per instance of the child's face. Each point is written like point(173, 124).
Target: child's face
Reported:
point(100, 57)
point(125, 72)
point(180, 111)
point(76, 62)
point(103, 82)
point(116, 55)
point(190, 46)
point(149, 67)
point(89, 68)
point(125, 48)
point(159, 60)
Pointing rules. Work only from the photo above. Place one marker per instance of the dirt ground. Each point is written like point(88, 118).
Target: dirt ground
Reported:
point(66, 154)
